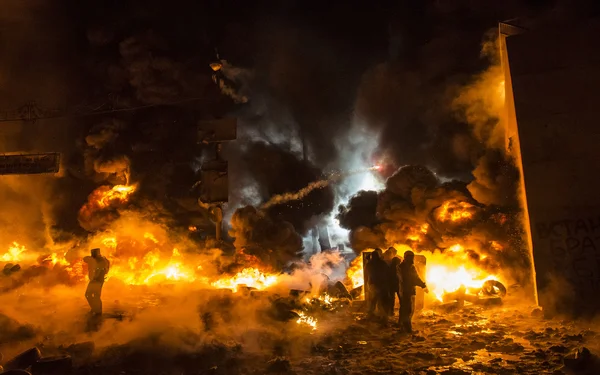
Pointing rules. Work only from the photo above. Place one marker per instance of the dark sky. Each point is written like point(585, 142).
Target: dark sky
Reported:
point(309, 64)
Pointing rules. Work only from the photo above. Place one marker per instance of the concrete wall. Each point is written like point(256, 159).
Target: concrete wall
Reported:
point(556, 85)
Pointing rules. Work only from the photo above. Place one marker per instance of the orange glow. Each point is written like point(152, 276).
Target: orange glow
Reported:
point(56, 259)
point(446, 271)
point(455, 211)
point(250, 277)
point(456, 248)
point(355, 272)
point(307, 320)
point(118, 193)
point(14, 253)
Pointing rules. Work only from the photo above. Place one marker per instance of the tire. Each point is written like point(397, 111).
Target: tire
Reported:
point(24, 360)
point(61, 364)
point(493, 288)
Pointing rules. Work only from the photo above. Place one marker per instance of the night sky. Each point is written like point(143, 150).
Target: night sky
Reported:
point(307, 69)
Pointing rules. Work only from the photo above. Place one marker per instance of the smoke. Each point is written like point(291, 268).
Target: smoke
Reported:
point(274, 242)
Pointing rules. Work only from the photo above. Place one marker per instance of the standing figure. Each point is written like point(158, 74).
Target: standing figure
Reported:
point(392, 283)
point(395, 283)
point(409, 280)
point(98, 267)
point(376, 278)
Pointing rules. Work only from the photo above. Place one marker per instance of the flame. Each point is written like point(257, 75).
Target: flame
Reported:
point(306, 320)
point(14, 253)
point(456, 248)
point(55, 259)
point(455, 211)
point(446, 271)
point(250, 277)
point(118, 193)
point(444, 279)
point(355, 272)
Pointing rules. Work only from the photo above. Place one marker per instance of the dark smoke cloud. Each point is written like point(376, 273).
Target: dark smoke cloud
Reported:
point(277, 172)
point(413, 211)
point(274, 242)
point(360, 211)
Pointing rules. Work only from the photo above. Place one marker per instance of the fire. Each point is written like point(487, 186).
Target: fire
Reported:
point(455, 211)
point(150, 268)
point(306, 320)
point(456, 248)
point(442, 279)
point(55, 259)
point(446, 271)
point(250, 277)
point(14, 253)
point(355, 272)
point(118, 193)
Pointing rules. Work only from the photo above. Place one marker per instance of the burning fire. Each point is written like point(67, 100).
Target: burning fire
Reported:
point(136, 263)
point(306, 320)
point(355, 272)
point(250, 277)
point(455, 211)
point(118, 193)
point(148, 264)
point(446, 272)
point(442, 279)
point(14, 253)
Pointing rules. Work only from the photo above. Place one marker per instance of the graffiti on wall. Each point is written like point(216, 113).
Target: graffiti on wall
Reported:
point(572, 250)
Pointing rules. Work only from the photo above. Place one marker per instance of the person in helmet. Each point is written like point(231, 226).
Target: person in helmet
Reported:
point(98, 267)
point(409, 281)
point(376, 279)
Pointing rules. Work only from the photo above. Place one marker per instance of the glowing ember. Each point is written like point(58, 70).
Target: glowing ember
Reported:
point(308, 320)
point(455, 211)
point(250, 277)
point(14, 253)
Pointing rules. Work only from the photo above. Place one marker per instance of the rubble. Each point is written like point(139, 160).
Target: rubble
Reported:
point(278, 366)
point(52, 365)
point(579, 359)
point(24, 360)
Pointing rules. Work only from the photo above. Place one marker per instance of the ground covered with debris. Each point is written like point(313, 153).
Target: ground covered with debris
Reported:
point(508, 339)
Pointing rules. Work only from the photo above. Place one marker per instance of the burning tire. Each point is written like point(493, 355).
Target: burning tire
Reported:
point(24, 360)
point(493, 288)
point(52, 365)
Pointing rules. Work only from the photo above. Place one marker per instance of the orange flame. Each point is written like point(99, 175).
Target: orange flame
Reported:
point(14, 253)
point(446, 271)
point(455, 211)
point(118, 193)
point(250, 277)
point(355, 272)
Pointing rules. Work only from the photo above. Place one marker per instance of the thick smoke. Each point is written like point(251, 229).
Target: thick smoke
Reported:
point(274, 242)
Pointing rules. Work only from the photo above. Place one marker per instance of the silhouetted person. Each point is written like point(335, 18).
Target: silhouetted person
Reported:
point(376, 279)
point(395, 283)
point(388, 256)
point(409, 280)
point(98, 267)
